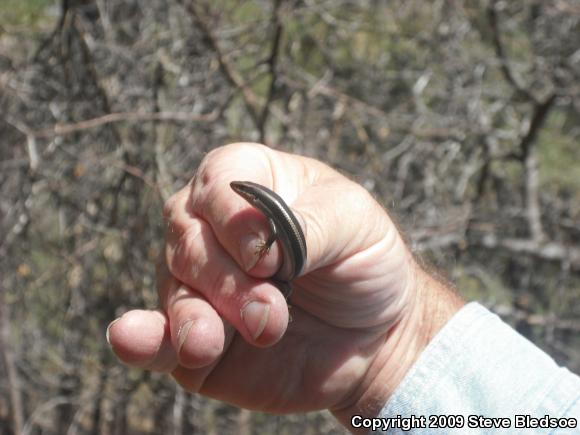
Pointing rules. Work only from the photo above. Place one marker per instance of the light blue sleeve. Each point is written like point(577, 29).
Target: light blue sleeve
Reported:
point(478, 365)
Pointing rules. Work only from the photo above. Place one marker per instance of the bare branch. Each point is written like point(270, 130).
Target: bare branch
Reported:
point(182, 117)
point(272, 63)
point(532, 319)
point(539, 115)
point(501, 53)
point(9, 360)
point(251, 101)
point(531, 172)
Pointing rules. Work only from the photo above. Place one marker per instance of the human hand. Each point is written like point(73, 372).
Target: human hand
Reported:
point(362, 310)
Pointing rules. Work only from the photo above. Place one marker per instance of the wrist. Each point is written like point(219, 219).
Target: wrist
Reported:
point(431, 306)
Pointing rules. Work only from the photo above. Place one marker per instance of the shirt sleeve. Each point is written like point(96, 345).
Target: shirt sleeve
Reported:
point(479, 376)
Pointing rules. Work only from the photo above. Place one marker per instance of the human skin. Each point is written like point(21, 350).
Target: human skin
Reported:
point(361, 312)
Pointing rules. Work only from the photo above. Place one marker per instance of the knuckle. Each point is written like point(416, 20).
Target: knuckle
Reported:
point(169, 206)
point(228, 153)
point(224, 287)
point(184, 256)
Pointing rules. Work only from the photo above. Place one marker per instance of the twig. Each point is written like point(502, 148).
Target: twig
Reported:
point(537, 319)
point(251, 101)
point(454, 234)
point(532, 176)
point(501, 53)
point(539, 115)
point(64, 10)
point(320, 87)
point(64, 129)
point(272, 63)
point(31, 148)
point(552, 251)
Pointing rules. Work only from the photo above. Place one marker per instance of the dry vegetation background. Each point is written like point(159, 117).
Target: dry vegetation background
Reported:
point(462, 117)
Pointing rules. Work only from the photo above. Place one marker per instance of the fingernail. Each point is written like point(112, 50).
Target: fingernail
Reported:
point(182, 334)
point(249, 246)
point(255, 316)
point(108, 329)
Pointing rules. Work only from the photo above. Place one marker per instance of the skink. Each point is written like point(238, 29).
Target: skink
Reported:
point(285, 228)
